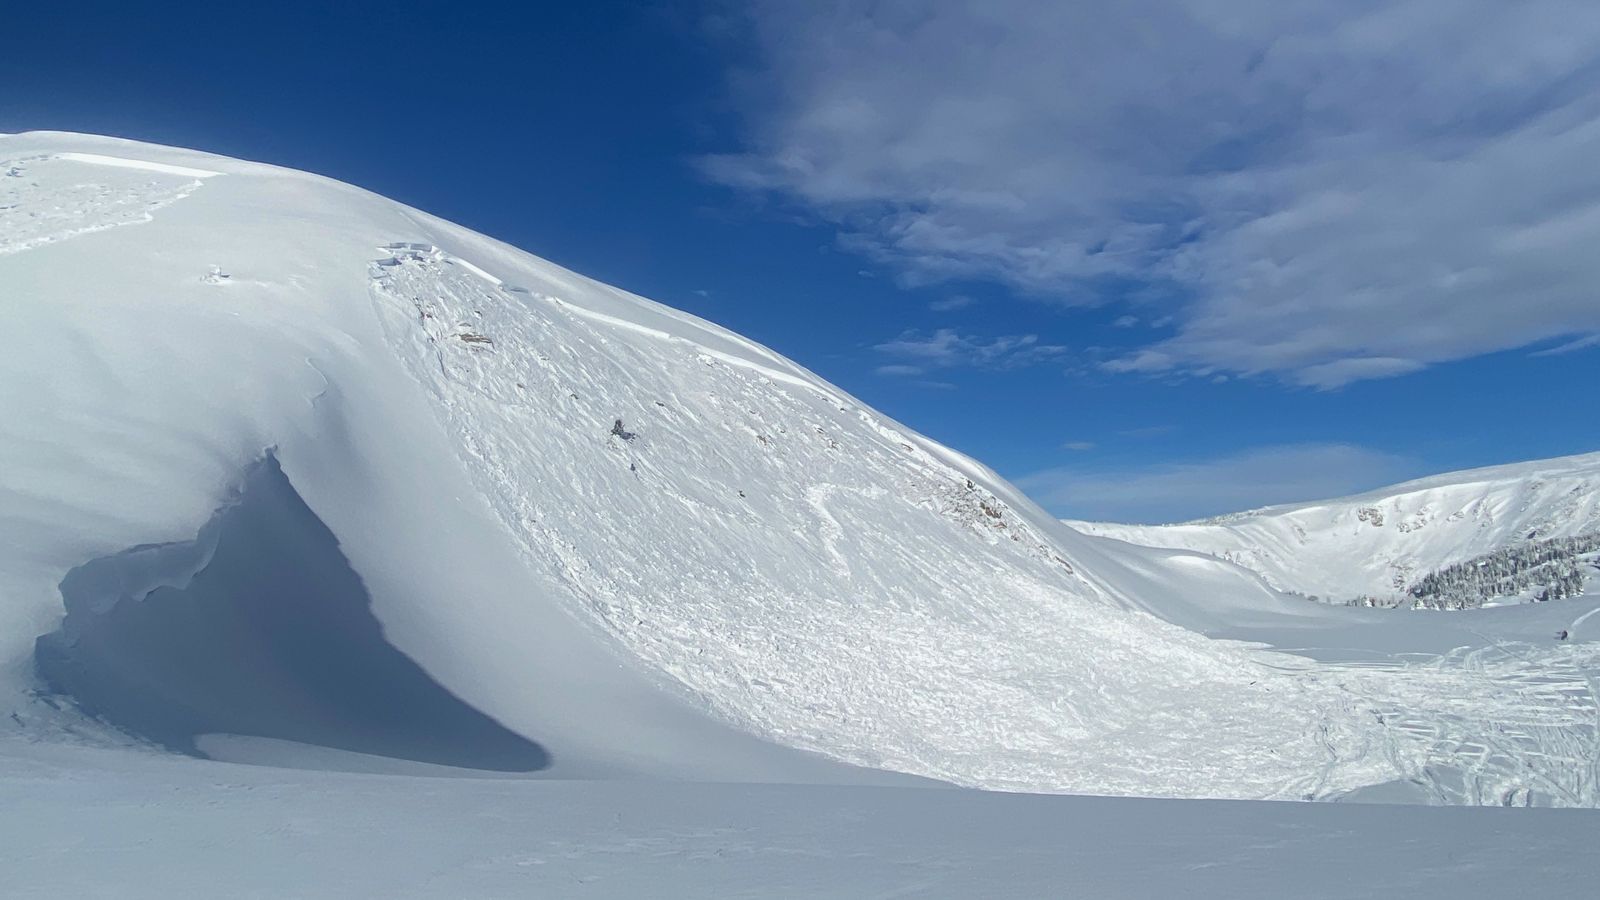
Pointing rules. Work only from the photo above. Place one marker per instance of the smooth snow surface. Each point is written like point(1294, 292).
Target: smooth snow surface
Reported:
point(82, 825)
point(751, 578)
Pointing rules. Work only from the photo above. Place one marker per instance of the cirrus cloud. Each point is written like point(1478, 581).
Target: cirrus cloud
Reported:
point(946, 348)
point(1326, 191)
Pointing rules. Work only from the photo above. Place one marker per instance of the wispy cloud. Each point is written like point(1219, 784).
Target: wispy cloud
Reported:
point(946, 348)
point(1572, 346)
point(959, 301)
point(1178, 492)
point(898, 369)
point(1327, 191)
point(1078, 445)
point(1148, 431)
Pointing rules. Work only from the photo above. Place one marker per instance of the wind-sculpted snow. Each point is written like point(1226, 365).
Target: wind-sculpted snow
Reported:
point(257, 628)
point(655, 548)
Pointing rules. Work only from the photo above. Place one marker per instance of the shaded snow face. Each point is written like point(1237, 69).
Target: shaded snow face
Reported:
point(258, 627)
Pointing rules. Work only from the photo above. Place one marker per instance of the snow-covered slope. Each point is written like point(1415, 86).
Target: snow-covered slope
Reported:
point(1379, 543)
point(639, 544)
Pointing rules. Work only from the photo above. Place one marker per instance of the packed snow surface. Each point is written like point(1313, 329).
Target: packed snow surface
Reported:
point(645, 545)
point(86, 825)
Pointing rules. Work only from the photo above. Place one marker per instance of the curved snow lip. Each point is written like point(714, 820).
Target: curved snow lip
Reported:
point(259, 627)
point(119, 162)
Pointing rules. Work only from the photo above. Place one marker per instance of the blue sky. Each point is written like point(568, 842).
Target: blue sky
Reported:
point(1152, 261)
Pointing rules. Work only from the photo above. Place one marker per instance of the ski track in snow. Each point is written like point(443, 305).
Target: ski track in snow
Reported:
point(1499, 723)
point(831, 532)
point(992, 671)
point(45, 199)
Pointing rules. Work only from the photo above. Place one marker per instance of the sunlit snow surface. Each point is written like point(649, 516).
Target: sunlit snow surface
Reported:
point(53, 197)
point(1378, 543)
point(997, 667)
point(753, 579)
point(759, 565)
point(78, 824)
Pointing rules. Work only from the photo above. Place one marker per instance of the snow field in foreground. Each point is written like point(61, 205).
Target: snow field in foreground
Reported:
point(85, 824)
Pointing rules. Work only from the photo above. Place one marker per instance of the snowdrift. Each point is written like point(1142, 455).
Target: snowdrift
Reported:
point(606, 538)
point(270, 635)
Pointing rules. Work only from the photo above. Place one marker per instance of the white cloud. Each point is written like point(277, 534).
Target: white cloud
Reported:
point(1343, 371)
point(1078, 445)
point(899, 370)
point(947, 348)
point(1148, 431)
point(1572, 346)
point(1125, 322)
point(1328, 190)
point(1178, 492)
point(959, 301)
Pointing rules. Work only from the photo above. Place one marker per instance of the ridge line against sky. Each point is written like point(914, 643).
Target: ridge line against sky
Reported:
point(1151, 245)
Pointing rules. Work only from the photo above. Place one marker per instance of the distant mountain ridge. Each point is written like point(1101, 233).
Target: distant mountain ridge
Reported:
point(1380, 544)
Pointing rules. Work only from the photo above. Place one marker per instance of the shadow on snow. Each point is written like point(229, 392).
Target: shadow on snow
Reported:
point(258, 627)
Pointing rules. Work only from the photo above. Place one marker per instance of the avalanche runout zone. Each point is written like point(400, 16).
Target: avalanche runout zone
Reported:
point(968, 650)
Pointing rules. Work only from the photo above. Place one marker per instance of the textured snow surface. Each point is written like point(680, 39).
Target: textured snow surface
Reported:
point(794, 560)
point(53, 197)
point(1378, 543)
point(758, 579)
